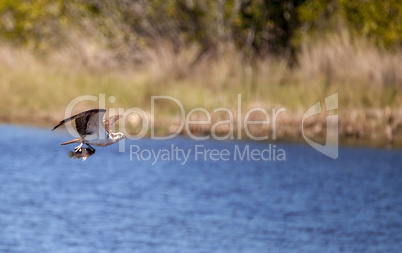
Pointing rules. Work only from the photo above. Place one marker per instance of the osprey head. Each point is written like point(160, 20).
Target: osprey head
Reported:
point(119, 136)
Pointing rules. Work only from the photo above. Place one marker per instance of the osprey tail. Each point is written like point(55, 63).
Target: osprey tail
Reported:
point(76, 140)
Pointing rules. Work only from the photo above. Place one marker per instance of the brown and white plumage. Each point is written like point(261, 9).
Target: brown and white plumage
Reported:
point(92, 129)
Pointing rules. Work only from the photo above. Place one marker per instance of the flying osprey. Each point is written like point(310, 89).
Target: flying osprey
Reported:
point(92, 130)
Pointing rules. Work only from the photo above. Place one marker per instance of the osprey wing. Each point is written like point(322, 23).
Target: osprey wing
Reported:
point(86, 122)
point(91, 123)
point(110, 121)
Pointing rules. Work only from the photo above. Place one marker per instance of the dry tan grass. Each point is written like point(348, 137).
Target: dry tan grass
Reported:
point(366, 78)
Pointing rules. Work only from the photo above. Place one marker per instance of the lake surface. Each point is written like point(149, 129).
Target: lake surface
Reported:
point(111, 203)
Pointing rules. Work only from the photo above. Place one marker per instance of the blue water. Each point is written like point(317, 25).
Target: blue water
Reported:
point(109, 203)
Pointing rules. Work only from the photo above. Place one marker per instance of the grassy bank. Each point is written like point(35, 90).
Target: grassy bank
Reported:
point(37, 89)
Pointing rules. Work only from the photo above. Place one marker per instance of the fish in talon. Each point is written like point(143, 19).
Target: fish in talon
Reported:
point(84, 153)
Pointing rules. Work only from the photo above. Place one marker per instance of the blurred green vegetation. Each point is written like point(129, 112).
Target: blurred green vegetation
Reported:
point(378, 20)
point(257, 27)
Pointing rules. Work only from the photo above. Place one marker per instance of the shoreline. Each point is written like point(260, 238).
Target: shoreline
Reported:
point(359, 128)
